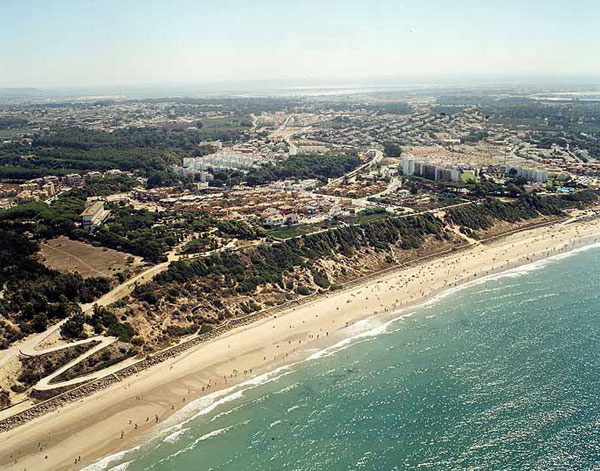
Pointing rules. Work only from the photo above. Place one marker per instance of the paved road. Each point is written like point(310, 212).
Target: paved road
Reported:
point(377, 158)
point(28, 344)
point(286, 134)
point(392, 186)
point(44, 383)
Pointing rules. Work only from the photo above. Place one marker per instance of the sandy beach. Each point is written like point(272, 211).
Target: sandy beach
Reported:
point(127, 413)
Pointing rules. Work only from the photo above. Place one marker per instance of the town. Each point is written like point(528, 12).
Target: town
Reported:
point(144, 224)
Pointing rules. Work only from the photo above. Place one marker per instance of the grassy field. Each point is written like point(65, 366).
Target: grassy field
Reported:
point(286, 232)
point(467, 175)
point(70, 255)
point(367, 216)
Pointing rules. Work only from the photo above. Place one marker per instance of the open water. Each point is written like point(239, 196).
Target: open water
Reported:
point(503, 374)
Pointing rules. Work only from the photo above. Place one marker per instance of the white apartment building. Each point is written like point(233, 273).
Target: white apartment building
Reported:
point(223, 160)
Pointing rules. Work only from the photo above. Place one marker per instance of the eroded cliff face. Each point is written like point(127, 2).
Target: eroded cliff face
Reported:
point(183, 307)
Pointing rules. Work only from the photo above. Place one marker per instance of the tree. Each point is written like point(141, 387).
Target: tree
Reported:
point(391, 149)
point(73, 328)
point(123, 331)
point(513, 190)
point(40, 322)
point(162, 178)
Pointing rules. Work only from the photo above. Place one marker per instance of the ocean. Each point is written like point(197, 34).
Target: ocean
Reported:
point(502, 374)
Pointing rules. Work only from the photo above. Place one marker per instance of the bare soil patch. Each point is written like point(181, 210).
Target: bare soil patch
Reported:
point(64, 254)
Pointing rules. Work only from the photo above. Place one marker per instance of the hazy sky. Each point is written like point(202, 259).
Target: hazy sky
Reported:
point(79, 42)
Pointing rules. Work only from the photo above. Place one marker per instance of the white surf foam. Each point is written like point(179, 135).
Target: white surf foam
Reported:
point(359, 332)
point(103, 464)
point(214, 433)
point(172, 427)
point(366, 329)
point(206, 404)
point(515, 272)
point(225, 413)
point(172, 438)
point(121, 467)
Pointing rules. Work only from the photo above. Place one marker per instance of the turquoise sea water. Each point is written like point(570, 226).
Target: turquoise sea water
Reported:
point(501, 375)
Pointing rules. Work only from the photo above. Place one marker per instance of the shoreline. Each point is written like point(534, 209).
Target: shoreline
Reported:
point(268, 344)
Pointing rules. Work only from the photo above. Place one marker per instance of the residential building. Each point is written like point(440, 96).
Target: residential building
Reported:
point(430, 171)
point(222, 161)
point(49, 189)
point(93, 174)
point(531, 174)
point(93, 215)
point(274, 220)
point(73, 179)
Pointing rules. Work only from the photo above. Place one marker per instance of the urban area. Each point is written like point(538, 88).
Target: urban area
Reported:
point(132, 226)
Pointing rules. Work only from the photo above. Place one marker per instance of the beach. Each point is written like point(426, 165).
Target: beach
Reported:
point(125, 414)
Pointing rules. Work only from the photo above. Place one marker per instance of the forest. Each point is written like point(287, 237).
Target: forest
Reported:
point(482, 216)
point(33, 295)
point(244, 271)
point(76, 150)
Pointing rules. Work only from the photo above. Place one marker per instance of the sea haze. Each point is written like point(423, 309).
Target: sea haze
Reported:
point(501, 375)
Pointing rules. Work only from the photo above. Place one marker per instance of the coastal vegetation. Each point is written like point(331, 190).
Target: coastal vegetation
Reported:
point(108, 356)
point(483, 215)
point(227, 284)
point(243, 272)
point(138, 232)
point(35, 296)
point(227, 266)
point(35, 368)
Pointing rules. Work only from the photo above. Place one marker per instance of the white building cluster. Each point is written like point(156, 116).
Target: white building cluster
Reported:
point(223, 160)
point(93, 215)
point(530, 174)
point(430, 171)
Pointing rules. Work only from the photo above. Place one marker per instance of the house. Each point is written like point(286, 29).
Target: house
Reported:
point(49, 189)
point(93, 174)
point(274, 220)
point(52, 179)
point(93, 215)
point(292, 218)
point(73, 179)
point(269, 212)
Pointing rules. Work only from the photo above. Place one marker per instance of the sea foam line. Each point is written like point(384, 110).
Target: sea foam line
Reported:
point(103, 464)
point(206, 436)
point(206, 404)
point(514, 272)
point(201, 406)
point(367, 328)
point(121, 467)
point(213, 400)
